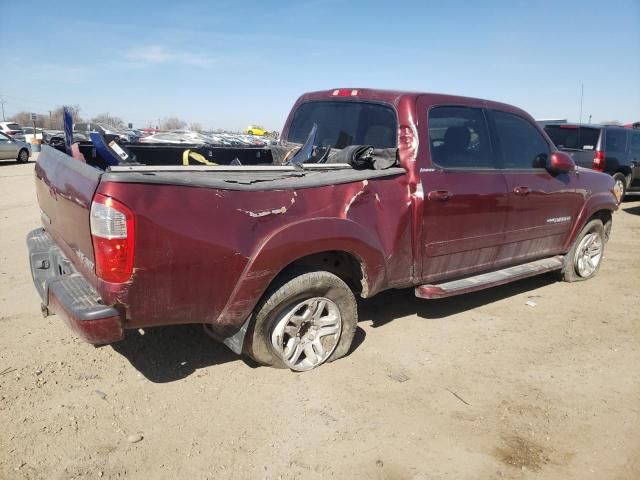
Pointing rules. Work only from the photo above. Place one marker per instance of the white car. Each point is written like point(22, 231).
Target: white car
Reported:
point(12, 129)
point(12, 149)
point(28, 133)
point(169, 137)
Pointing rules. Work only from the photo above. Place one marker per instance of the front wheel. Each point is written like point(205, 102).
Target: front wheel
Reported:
point(23, 156)
point(303, 322)
point(584, 259)
point(621, 184)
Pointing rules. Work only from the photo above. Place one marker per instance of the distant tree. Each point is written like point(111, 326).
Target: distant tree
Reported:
point(108, 119)
point(195, 126)
point(22, 118)
point(55, 121)
point(172, 123)
point(52, 120)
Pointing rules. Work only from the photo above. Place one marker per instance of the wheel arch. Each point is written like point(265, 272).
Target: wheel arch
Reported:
point(601, 205)
point(344, 247)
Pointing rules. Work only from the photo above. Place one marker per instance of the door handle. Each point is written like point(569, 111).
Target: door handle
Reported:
point(442, 195)
point(522, 191)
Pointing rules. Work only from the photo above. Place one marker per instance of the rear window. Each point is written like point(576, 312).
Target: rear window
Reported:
point(574, 138)
point(13, 126)
point(635, 144)
point(341, 124)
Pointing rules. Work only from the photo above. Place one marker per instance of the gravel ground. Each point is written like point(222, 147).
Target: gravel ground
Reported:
point(481, 386)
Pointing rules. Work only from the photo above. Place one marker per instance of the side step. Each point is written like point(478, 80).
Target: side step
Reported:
point(491, 279)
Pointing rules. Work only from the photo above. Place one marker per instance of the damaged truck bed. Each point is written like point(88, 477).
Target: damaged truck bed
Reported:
point(270, 257)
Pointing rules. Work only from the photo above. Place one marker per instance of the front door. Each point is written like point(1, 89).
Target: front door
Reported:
point(465, 195)
point(542, 206)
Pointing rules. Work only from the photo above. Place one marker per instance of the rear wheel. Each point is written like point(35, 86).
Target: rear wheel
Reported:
point(303, 322)
point(584, 259)
point(621, 183)
point(23, 156)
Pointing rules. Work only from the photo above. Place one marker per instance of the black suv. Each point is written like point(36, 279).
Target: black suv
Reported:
point(606, 148)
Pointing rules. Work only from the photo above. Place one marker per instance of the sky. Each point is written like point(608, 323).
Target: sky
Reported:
point(228, 64)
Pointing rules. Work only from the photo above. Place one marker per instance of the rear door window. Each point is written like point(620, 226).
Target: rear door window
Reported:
point(571, 137)
point(616, 140)
point(635, 145)
point(341, 124)
point(459, 138)
point(522, 146)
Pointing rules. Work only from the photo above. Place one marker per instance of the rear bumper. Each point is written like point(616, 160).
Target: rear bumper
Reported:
point(66, 293)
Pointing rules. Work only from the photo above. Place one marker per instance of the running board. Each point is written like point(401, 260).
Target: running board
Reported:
point(491, 279)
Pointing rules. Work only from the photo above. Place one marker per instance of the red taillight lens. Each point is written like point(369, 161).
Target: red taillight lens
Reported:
point(598, 161)
point(112, 231)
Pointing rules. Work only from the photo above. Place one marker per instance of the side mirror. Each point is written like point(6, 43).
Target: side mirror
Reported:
point(561, 162)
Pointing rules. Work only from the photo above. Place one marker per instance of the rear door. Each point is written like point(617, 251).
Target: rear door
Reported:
point(579, 142)
point(542, 206)
point(616, 148)
point(465, 195)
point(635, 155)
point(7, 147)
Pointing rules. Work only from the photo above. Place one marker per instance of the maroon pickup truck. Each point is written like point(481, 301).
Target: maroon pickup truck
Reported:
point(269, 257)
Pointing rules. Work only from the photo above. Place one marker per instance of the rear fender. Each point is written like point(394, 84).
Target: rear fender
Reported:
point(597, 202)
point(293, 242)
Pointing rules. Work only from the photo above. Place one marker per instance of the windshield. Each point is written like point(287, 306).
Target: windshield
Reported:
point(341, 124)
point(14, 126)
point(574, 138)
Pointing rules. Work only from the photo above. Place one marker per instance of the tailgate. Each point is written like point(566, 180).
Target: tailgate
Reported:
point(581, 158)
point(65, 187)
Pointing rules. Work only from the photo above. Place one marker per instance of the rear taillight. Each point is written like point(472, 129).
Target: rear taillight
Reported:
point(112, 231)
point(598, 161)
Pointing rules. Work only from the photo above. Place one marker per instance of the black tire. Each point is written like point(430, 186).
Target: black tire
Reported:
point(570, 271)
point(620, 177)
point(286, 293)
point(23, 156)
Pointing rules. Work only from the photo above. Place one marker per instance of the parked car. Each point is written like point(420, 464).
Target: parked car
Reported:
point(606, 148)
point(256, 130)
point(29, 134)
point(443, 194)
point(86, 128)
point(169, 137)
point(12, 149)
point(12, 129)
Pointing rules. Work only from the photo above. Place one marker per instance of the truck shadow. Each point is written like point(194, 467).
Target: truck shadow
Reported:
point(169, 354)
point(632, 210)
point(394, 304)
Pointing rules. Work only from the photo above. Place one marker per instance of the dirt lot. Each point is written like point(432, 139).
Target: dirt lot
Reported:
point(476, 387)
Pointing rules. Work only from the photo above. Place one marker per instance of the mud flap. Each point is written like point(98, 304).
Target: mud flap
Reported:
point(236, 341)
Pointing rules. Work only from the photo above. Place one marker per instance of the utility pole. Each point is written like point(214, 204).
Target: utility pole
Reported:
point(3, 101)
point(581, 99)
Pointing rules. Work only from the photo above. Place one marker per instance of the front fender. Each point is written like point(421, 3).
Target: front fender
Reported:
point(295, 241)
point(598, 201)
